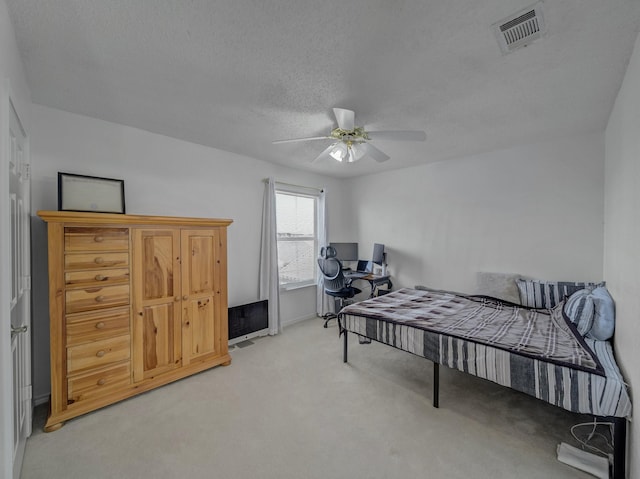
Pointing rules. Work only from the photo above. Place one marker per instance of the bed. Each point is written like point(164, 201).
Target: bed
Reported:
point(535, 350)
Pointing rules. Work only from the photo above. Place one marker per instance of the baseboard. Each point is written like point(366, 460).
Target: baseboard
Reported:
point(41, 400)
point(298, 320)
point(265, 332)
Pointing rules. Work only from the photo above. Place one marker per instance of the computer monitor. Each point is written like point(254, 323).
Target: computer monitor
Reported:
point(346, 251)
point(378, 253)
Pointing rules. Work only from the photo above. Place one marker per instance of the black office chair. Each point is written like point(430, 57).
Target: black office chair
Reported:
point(335, 284)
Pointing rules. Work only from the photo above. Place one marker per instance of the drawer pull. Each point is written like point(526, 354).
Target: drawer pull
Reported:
point(98, 239)
point(100, 353)
point(100, 325)
point(176, 299)
point(185, 297)
point(98, 260)
point(100, 299)
point(101, 382)
point(101, 277)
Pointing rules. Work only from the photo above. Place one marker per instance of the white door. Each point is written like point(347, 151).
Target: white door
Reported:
point(19, 194)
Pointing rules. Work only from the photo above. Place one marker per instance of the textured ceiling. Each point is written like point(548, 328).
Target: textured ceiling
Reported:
point(237, 74)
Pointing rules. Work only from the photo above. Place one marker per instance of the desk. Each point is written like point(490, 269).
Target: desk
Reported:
point(375, 280)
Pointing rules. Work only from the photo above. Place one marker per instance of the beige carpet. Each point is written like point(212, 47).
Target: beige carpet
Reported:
point(288, 407)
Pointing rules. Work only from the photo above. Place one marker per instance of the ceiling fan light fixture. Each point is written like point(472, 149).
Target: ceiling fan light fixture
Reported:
point(355, 152)
point(339, 152)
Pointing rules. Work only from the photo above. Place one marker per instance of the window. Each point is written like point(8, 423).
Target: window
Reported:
point(296, 218)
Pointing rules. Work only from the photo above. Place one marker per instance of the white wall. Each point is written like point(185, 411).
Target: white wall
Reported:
point(163, 176)
point(534, 210)
point(622, 232)
point(11, 74)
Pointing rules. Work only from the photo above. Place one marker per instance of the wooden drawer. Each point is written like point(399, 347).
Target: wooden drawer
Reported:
point(96, 239)
point(95, 260)
point(87, 299)
point(96, 278)
point(100, 383)
point(98, 353)
point(86, 327)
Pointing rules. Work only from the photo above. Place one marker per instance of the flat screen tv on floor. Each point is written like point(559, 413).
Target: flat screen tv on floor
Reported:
point(248, 320)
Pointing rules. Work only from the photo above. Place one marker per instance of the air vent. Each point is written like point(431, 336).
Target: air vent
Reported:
point(520, 29)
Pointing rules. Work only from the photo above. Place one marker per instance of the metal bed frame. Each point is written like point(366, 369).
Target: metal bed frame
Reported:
point(619, 424)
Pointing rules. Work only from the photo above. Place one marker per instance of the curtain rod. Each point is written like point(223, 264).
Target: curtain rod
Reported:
point(266, 180)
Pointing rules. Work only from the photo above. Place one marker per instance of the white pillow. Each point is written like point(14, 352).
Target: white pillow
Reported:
point(605, 315)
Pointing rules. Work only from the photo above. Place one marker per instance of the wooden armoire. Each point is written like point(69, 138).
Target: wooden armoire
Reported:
point(135, 302)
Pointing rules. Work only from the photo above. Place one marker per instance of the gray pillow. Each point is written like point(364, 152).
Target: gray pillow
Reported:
point(546, 294)
point(580, 309)
point(604, 317)
point(498, 285)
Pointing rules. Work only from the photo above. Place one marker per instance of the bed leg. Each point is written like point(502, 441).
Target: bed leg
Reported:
point(436, 385)
point(619, 447)
point(344, 353)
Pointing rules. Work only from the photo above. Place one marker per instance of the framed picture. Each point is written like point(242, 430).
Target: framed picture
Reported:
point(90, 193)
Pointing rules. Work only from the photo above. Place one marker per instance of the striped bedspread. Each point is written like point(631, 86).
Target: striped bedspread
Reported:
point(533, 351)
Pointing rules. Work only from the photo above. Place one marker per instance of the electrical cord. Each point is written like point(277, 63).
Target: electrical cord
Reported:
point(592, 434)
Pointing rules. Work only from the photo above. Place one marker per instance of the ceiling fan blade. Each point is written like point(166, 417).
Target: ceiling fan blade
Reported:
point(398, 135)
point(295, 140)
point(346, 118)
point(373, 152)
point(325, 154)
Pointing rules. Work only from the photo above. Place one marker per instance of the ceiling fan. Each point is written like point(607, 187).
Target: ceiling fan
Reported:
point(351, 143)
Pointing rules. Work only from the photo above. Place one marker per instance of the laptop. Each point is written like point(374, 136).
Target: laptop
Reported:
point(364, 266)
point(363, 269)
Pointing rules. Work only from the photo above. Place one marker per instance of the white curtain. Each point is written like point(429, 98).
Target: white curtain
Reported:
point(269, 281)
point(322, 301)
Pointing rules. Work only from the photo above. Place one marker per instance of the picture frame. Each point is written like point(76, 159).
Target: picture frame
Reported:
point(90, 194)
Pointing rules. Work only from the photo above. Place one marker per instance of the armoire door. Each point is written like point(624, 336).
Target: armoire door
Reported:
point(156, 302)
point(200, 294)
